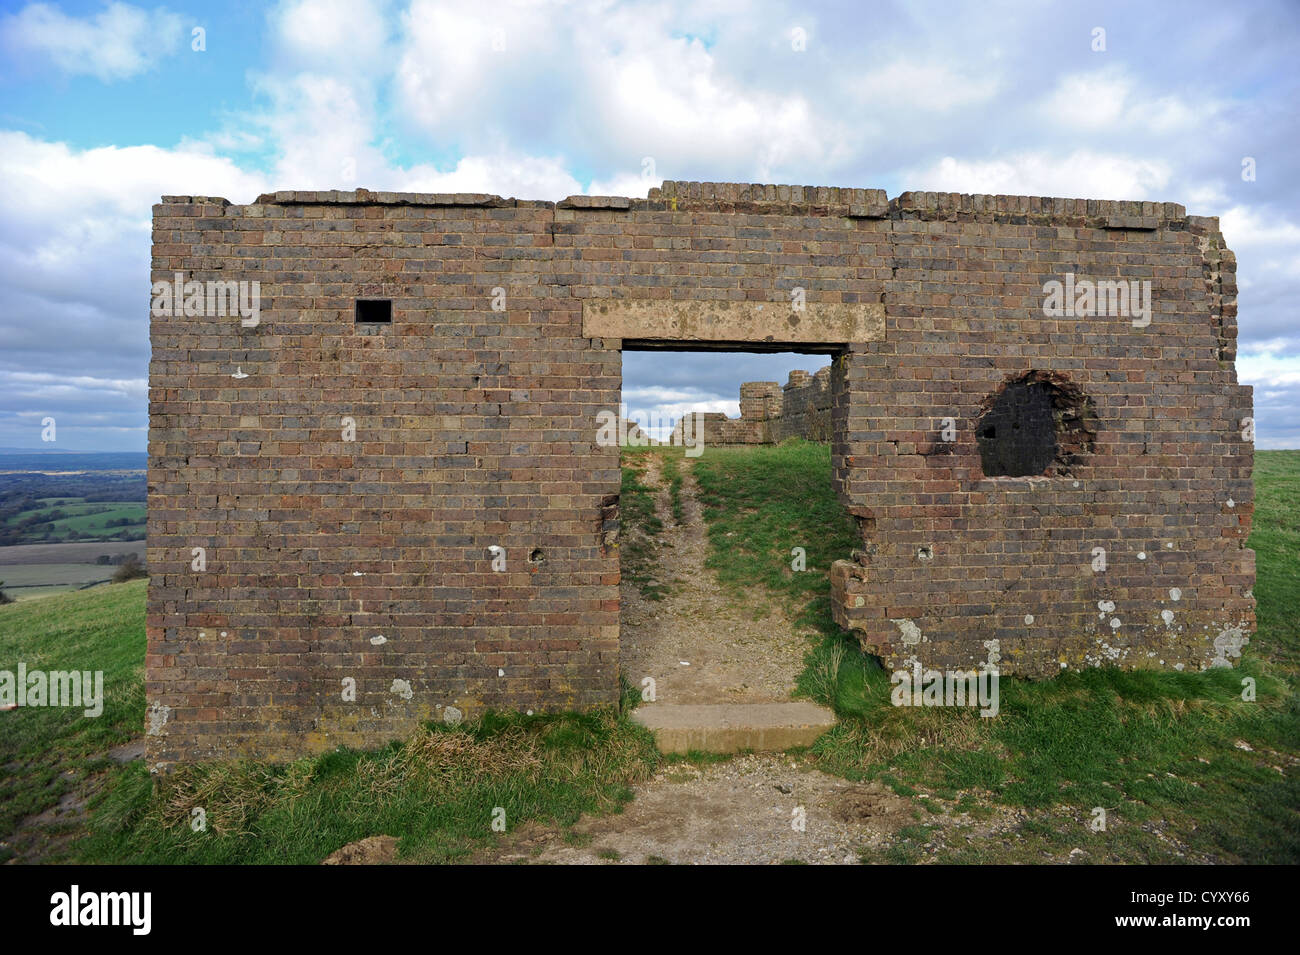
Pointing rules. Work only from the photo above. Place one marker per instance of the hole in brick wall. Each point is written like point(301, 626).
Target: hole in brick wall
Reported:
point(1039, 423)
point(536, 556)
point(374, 311)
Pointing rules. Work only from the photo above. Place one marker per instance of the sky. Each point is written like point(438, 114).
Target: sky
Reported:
point(106, 107)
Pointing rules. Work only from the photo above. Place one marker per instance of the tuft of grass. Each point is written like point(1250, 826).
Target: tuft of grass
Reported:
point(640, 526)
point(669, 459)
point(438, 792)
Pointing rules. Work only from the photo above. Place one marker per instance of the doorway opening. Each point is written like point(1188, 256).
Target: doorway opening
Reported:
point(726, 500)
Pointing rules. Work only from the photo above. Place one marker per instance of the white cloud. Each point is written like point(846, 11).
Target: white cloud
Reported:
point(1246, 227)
point(336, 36)
point(632, 185)
point(322, 128)
point(45, 385)
point(119, 42)
point(74, 244)
point(1110, 99)
point(613, 83)
point(1087, 100)
point(569, 97)
point(1081, 174)
point(1268, 370)
point(913, 85)
point(523, 177)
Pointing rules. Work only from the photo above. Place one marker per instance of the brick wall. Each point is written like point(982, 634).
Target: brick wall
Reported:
point(805, 407)
point(951, 560)
point(371, 561)
point(760, 406)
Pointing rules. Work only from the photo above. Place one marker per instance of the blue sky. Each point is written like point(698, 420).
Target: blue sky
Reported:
point(105, 107)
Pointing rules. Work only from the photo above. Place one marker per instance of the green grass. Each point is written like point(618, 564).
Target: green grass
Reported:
point(46, 752)
point(1159, 750)
point(640, 527)
point(438, 792)
point(760, 504)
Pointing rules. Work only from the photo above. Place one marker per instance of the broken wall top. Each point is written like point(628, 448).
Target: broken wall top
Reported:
point(773, 199)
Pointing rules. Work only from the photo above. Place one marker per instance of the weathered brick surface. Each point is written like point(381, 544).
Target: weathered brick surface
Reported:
point(952, 560)
point(476, 428)
point(805, 407)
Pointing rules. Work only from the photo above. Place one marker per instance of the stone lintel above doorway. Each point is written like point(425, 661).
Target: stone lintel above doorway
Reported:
point(820, 323)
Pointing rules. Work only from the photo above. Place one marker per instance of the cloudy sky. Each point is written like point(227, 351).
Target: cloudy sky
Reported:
point(105, 107)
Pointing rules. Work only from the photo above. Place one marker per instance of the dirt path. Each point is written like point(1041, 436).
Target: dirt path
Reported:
point(700, 644)
point(751, 810)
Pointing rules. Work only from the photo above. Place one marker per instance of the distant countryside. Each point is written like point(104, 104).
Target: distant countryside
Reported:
point(68, 520)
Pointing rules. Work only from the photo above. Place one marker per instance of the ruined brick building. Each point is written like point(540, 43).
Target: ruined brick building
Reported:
point(770, 413)
point(381, 500)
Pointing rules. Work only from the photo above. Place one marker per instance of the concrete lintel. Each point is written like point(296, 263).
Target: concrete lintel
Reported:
point(699, 321)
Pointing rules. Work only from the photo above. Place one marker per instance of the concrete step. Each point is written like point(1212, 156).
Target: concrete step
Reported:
point(733, 727)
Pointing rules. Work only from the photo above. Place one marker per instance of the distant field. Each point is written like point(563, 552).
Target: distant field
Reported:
point(22, 581)
point(70, 505)
point(44, 460)
point(38, 570)
point(79, 553)
point(85, 518)
point(62, 511)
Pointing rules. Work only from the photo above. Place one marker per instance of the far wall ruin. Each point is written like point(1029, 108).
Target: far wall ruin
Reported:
point(770, 413)
point(382, 501)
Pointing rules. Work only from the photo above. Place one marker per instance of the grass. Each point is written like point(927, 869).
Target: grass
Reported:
point(47, 752)
point(760, 504)
point(1182, 764)
point(438, 792)
point(639, 545)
